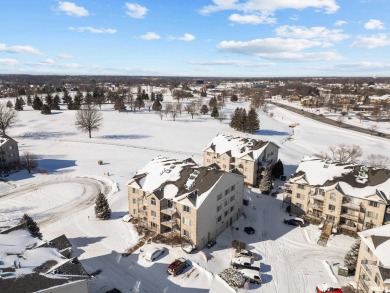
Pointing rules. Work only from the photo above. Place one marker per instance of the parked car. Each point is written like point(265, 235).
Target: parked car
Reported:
point(244, 262)
point(126, 218)
point(329, 288)
point(249, 230)
point(188, 247)
point(246, 253)
point(252, 275)
point(295, 222)
point(178, 266)
point(154, 253)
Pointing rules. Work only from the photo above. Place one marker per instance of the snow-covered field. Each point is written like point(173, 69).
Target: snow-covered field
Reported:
point(291, 259)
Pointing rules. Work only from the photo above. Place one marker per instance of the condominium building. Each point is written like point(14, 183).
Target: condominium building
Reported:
point(350, 197)
point(198, 203)
point(249, 156)
point(373, 265)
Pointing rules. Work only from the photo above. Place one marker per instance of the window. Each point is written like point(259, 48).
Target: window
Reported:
point(10, 147)
point(373, 204)
point(329, 217)
point(153, 226)
point(301, 196)
point(377, 279)
point(231, 208)
point(208, 161)
point(153, 214)
point(134, 211)
point(301, 186)
point(186, 233)
point(153, 201)
point(12, 155)
point(372, 215)
point(226, 213)
point(232, 198)
point(226, 203)
point(332, 196)
point(226, 191)
point(219, 196)
point(134, 201)
point(186, 221)
point(135, 191)
point(186, 209)
point(232, 188)
point(219, 219)
point(332, 207)
point(219, 208)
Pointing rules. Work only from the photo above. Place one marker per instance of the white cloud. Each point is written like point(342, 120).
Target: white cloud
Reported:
point(185, 37)
point(93, 30)
point(279, 49)
point(340, 23)
point(135, 10)
point(150, 36)
point(251, 18)
point(237, 63)
point(51, 63)
point(19, 49)
point(48, 61)
point(64, 56)
point(358, 67)
point(317, 32)
point(370, 42)
point(72, 9)
point(267, 6)
point(374, 24)
point(9, 62)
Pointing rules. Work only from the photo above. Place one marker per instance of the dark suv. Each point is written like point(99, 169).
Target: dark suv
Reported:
point(178, 266)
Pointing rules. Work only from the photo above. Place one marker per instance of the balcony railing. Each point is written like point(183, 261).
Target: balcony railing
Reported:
point(168, 211)
point(316, 206)
point(348, 227)
point(352, 206)
point(364, 284)
point(349, 216)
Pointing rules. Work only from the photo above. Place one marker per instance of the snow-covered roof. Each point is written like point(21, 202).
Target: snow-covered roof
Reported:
point(236, 146)
point(378, 240)
point(350, 179)
point(180, 181)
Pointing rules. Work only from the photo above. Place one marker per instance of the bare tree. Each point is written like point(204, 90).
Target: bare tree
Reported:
point(191, 109)
point(29, 161)
point(8, 116)
point(340, 119)
point(342, 153)
point(161, 114)
point(360, 116)
point(378, 161)
point(88, 119)
point(372, 129)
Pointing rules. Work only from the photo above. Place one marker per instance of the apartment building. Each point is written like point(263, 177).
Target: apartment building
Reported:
point(9, 153)
point(249, 156)
point(196, 202)
point(373, 265)
point(350, 197)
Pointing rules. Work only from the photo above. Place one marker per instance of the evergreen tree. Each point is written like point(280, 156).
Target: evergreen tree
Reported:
point(31, 225)
point(204, 109)
point(66, 98)
point(88, 98)
point(45, 110)
point(119, 105)
point(49, 100)
point(252, 121)
point(37, 103)
point(139, 103)
point(215, 113)
point(350, 259)
point(266, 182)
point(18, 104)
point(29, 101)
point(234, 98)
point(152, 96)
point(70, 104)
point(78, 99)
point(9, 104)
point(156, 105)
point(243, 118)
point(278, 169)
point(22, 102)
point(102, 209)
point(235, 122)
point(213, 102)
point(55, 103)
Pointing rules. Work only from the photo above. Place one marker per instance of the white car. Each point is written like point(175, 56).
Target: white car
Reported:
point(154, 253)
point(252, 275)
point(126, 218)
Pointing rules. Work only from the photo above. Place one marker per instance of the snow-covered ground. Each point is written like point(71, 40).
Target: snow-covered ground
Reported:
point(291, 259)
point(351, 118)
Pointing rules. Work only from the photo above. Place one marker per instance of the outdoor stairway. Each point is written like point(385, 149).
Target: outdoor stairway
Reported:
point(326, 232)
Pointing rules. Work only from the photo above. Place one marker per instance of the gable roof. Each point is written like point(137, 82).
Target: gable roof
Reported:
point(237, 147)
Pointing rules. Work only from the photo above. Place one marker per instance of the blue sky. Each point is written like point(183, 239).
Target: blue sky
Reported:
point(243, 38)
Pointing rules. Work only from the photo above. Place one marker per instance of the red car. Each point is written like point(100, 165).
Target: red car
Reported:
point(329, 288)
point(178, 266)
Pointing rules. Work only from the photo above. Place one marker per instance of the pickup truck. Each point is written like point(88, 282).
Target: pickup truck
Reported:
point(243, 262)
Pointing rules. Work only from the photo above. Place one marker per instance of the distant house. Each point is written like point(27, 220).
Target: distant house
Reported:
point(172, 196)
point(249, 156)
point(352, 197)
point(9, 153)
point(373, 265)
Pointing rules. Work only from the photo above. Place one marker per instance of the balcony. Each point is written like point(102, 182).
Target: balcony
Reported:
point(168, 211)
point(318, 197)
point(349, 216)
point(364, 284)
point(316, 206)
point(348, 227)
point(316, 216)
point(352, 206)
